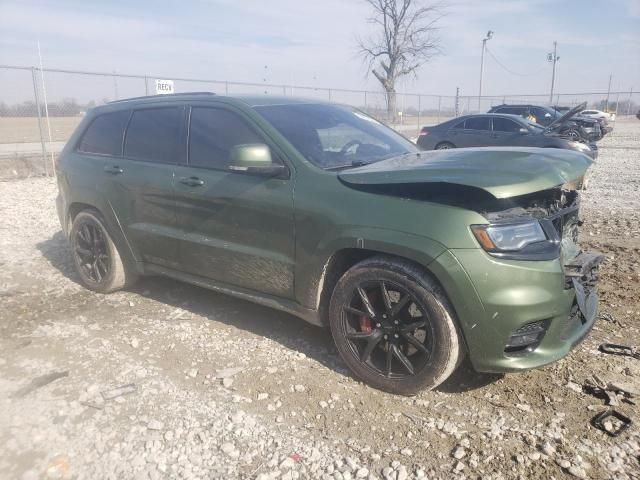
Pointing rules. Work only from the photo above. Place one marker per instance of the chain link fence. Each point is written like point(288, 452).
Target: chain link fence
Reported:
point(40, 108)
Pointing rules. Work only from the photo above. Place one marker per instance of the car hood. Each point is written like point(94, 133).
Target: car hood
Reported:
point(567, 115)
point(502, 172)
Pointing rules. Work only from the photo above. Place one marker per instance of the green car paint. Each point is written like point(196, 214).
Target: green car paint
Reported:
point(502, 171)
point(283, 241)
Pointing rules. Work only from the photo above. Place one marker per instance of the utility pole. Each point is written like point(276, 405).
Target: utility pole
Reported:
point(553, 57)
point(606, 103)
point(484, 46)
point(629, 102)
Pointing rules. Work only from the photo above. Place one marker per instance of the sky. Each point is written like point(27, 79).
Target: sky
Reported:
point(313, 43)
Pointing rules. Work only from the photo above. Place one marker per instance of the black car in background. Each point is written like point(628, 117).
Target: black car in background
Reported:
point(568, 123)
point(496, 130)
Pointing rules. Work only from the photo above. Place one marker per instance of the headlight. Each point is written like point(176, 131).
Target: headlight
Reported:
point(508, 237)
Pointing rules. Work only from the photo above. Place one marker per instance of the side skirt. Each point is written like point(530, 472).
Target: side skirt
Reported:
point(271, 301)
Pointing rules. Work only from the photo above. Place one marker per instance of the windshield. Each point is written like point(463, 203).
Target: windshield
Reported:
point(334, 136)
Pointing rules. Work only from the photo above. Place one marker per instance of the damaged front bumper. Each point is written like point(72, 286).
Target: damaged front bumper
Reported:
point(582, 272)
point(520, 298)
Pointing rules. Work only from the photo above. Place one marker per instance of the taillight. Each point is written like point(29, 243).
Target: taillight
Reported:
point(424, 132)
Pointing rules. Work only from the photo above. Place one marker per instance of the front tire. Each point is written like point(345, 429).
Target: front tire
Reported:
point(95, 256)
point(394, 327)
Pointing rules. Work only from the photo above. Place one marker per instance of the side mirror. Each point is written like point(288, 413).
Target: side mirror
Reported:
point(255, 159)
point(523, 130)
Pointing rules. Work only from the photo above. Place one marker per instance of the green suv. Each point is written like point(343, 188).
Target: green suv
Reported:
point(413, 259)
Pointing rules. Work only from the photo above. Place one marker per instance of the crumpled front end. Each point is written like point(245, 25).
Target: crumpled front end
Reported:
point(538, 303)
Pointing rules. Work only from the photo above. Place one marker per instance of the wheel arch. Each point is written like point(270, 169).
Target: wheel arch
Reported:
point(113, 228)
point(343, 260)
point(74, 209)
point(442, 142)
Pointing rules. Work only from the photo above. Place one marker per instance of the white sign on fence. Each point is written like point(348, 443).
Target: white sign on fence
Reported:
point(164, 86)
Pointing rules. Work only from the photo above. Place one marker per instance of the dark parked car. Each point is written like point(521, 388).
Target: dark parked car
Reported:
point(413, 259)
point(495, 130)
point(568, 124)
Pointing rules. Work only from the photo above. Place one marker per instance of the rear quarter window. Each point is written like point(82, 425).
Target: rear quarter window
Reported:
point(104, 134)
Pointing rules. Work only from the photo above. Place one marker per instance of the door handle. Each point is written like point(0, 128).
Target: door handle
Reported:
point(113, 169)
point(192, 181)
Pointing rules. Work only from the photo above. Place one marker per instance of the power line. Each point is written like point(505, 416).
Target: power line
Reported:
point(511, 71)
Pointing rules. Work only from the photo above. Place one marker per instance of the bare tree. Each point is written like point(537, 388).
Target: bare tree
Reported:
point(407, 38)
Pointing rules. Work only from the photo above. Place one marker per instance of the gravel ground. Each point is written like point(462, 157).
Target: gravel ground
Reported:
point(214, 387)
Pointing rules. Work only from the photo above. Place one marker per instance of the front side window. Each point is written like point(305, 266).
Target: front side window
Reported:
point(334, 136)
point(213, 132)
point(478, 123)
point(154, 135)
point(105, 133)
point(505, 125)
point(543, 117)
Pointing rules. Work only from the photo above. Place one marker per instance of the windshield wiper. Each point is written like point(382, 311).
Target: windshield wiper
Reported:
point(362, 163)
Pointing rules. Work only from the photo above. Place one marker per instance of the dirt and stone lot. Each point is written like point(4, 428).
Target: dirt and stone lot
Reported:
point(215, 387)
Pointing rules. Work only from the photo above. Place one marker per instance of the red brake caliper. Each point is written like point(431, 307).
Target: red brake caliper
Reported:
point(365, 325)
point(365, 322)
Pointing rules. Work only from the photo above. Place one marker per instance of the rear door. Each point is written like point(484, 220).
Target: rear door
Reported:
point(237, 228)
point(476, 133)
point(140, 184)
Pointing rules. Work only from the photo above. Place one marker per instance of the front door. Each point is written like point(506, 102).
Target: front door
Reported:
point(237, 228)
point(506, 132)
point(140, 184)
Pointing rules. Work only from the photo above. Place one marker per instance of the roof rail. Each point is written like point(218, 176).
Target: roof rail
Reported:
point(164, 95)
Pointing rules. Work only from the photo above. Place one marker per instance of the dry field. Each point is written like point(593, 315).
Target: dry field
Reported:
point(25, 129)
point(224, 389)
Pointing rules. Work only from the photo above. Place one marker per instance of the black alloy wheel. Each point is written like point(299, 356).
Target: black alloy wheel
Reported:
point(92, 254)
point(387, 329)
point(393, 326)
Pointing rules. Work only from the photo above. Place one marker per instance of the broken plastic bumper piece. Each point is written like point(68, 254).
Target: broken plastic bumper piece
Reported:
point(582, 272)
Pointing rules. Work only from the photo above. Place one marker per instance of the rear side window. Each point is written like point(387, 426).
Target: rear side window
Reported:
point(212, 134)
point(478, 123)
point(104, 135)
point(505, 125)
point(459, 125)
point(154, 135)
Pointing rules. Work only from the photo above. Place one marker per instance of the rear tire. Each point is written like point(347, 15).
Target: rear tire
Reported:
point(95, 256)
point(401, 341)
point(445, 146)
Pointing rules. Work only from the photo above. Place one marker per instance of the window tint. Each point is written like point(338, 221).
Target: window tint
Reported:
point(213, 132)
point(104, 135)
point(333, 136)
point(505, 125)
point(512, 110)
point(459, 125)
point(478, 123)
point(154, 135)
